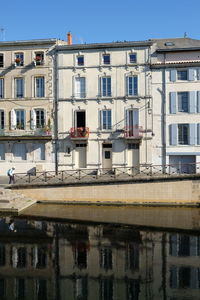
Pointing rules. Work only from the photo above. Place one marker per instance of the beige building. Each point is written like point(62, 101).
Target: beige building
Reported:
point(26, 105)
point(104, 105)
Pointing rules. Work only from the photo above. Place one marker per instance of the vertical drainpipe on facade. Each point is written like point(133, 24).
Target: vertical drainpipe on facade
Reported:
point(56, 110)
point(146, 153)
point(164, 118)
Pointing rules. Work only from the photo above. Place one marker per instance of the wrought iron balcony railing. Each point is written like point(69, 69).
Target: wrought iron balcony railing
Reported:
point(79, 132)
point(21, 132)
point(133, 132)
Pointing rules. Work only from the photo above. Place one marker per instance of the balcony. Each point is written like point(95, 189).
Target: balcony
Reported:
point(38, 133)
point(79, 133)
point(133, 132)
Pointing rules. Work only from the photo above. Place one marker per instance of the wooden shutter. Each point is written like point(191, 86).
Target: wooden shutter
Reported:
point(198, 101)
point(192, 134)
point(198, 134)
point(191, 74)
point(173, 134)
point(13, 119)
point(173, 96)
point(173, 75)
point(192, 102)
point(33, 119)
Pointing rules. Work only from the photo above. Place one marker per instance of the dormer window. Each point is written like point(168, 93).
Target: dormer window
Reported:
point(106, 59)
point(39, 58)
point(19, 59)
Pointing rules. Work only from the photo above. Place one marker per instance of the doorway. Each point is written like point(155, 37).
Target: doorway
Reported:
point(107, 156)
point(80, 155)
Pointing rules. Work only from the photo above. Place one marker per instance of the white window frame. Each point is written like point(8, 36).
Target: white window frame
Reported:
point(14, 120)
point(39, 87)
point(19, 87)
point(105, 92)
point(132, 80)
point(80, 87)
point(106, 124)
point(19, 56)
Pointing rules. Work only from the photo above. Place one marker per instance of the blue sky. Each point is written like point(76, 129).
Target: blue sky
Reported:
point(92, 21)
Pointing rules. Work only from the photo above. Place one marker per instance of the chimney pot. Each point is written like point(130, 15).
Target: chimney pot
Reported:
point(69, 38)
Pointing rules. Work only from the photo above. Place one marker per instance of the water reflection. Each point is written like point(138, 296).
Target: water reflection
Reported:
point(79, 261)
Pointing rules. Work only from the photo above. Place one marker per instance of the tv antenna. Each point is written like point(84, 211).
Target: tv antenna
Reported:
point(2, 32)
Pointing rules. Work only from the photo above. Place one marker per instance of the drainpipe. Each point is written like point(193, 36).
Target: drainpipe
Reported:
point(56, 110)
point(163, 116)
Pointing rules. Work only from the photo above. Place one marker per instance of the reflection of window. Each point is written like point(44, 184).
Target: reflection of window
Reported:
point(106, 289)
point(2, 255)
point(19, 257)
point(39, 87)
point(81, 288)
point(2, 288)
point(184, 277)
point(19, 87)
point(184, 245)
point(133, 289)
point(80, 255)
point(20, 288)
point(39, 257)
point(41, 289)
point(106, 258)
point(133, 256)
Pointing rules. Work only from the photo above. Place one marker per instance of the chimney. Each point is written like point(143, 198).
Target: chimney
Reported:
point(69, 38)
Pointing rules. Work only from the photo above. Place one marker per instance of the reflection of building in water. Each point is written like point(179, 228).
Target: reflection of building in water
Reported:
point(183, 266)
point(26, 265)
point(105, 262)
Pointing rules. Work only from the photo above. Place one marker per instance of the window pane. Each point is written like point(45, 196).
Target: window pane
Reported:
point(132, 58)
point(80, 60)
point(183, 102)
point(106, 59)
point(19, 82)
point(2, 119)
point(1, 60)
point(183, 136)
point(1, 88)
point(182, 75)
point(39, 81)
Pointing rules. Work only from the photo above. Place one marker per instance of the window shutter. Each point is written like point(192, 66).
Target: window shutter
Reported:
point(198, 134)
point(100, 86)
point(192, 102)
point(173, 75)
point(135, 117)
point(33, 119)
point(191, 74)
point(192, 134)
point(127, 91)
point(13, 120)
point(198, 101)
point(100, 120)
point(173, 102)
point(173, 134)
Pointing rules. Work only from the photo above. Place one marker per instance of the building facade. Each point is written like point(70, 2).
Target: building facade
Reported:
point(175, 67)
point(104, 105)
point(26, 105)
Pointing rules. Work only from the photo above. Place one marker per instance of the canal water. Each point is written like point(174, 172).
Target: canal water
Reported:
point(66, 252)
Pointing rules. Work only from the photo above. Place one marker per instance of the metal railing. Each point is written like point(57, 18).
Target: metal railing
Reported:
point(102, 174)
point(135, 132)
point(79, 132)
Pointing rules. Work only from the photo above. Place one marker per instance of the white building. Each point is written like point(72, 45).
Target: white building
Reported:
point(175, 67)
point(104, 105)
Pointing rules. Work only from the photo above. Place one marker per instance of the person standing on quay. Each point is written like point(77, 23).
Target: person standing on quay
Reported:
point(11, 174)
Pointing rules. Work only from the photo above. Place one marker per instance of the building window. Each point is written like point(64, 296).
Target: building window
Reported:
point(41, 285)
point(132, 85)
point(133, 289)
point(20, 288)
point(19, 59)
point(39, 257)
point(18, 119)
point(106, 87)
point(106, 288)
point(182, 75)
point(19, 257)
point(1, 60)
point(80, 87)
point(2, 288)
point(80, 255)
point(132, 58)
point(2, 119)
point(40, 120)
point(183, 101)
point(19, 87)
point(183, 134)
point(80, 60)
point(2, 255)
point(106, 258)
point(133, 257)
point(1, 88)
point(81, 288)
point(39, 87)
point(106, 119)
point(106, 59)
point(39, 58)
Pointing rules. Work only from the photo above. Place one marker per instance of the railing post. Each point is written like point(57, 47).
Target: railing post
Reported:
point(45, 176)
point(79, 174)
point(29, 178)
point(62, 176)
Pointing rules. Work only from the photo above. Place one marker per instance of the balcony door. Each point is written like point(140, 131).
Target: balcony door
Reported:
point(80, 119)
point(132, 122)
point(107, 156)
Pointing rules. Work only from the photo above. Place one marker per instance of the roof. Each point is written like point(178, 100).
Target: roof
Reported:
point(176, 44)
point(117, 44)
point(31, 42)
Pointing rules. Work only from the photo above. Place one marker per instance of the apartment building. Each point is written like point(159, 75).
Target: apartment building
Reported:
point(175, 67)
point(104, 105)
point(26, 105)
